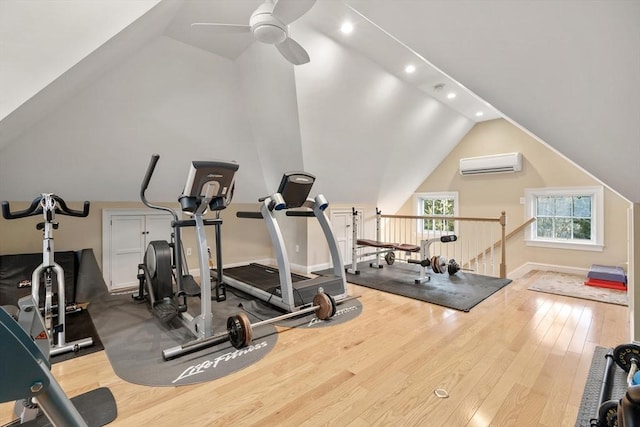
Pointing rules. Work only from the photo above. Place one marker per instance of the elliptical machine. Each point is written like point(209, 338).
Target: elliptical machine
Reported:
point(162, 277)
point(49, 204)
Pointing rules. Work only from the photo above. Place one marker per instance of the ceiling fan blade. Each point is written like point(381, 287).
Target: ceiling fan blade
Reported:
point(293, 52)
point(222, 28)
point(288, 11)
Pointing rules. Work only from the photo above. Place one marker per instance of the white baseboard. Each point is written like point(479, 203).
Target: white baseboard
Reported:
point(530, 266)
point(318, 267)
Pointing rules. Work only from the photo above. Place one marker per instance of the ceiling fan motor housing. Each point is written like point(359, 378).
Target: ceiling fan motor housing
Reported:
point(267, 29)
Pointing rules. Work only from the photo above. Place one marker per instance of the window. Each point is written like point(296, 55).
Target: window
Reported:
point(436, 204)
point(569, 218)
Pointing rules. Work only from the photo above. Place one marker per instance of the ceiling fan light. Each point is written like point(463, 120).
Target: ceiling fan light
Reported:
point(270, 34)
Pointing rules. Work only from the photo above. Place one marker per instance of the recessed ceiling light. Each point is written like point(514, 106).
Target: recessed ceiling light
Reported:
point(410, 69)
point(451, 95)
point(479, 114)
point(346, 27)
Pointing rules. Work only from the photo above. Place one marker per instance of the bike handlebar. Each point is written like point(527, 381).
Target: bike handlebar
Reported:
point(36, 209)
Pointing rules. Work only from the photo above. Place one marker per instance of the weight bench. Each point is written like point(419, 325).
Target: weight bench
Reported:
point(406, 247)
point(437, 263)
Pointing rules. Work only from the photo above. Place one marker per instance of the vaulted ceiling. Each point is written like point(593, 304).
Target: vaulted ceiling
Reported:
point(81, 82)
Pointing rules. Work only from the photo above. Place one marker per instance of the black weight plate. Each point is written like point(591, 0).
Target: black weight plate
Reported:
point(334, 306)
point(624, 354)
point(608, 414)
point(390, 258)
point(453, 267)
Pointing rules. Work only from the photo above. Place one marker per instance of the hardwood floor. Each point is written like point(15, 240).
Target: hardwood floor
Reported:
point(519, 358)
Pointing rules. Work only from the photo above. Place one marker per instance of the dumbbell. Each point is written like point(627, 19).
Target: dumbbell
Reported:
point(438, 264)
point(240, 331)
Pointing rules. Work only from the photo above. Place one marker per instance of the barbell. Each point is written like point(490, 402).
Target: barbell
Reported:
point(240, 330)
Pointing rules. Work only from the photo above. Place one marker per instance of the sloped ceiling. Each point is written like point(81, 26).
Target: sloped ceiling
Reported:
point(567, 71)
point(370, 133)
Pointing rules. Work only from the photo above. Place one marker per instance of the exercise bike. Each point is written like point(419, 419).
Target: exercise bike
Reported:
point(163, 279)
point(48, 205)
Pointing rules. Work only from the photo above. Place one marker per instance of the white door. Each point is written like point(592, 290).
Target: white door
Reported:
point(342, 225)
point(127, 249)
point(158, 227)
point(126, 236)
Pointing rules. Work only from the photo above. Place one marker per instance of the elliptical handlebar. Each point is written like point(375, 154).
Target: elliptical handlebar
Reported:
point(147, 177)
point(36, 208)
point(145, 183)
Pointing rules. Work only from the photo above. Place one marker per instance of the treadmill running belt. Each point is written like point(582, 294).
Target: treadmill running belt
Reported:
point(260, 276)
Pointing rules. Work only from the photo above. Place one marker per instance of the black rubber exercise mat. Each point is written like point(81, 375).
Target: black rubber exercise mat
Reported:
point(590, 396)
point(79, 326)
point(97, 407)
point(461, 291)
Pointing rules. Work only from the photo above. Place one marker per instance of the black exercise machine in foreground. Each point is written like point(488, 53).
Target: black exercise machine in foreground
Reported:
point(624, 411)
point(26, 376)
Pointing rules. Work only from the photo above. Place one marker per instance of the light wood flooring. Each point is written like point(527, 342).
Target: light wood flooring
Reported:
point(520, 358)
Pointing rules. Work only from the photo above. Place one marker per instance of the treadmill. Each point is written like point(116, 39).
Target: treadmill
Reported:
point(278, 286)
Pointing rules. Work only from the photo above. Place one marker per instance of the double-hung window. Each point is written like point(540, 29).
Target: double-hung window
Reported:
point(442, 204)
point(571, 218)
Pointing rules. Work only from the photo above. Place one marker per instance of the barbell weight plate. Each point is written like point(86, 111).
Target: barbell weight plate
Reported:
point(453, 267)
point(334, 306)
point(434, 264)
point(390, 258)
point(322, 301)
point(624, 355)
point(442, 267)
point(608, 414)
point(239, 330)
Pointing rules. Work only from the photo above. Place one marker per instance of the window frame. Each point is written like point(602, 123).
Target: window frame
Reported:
point(596, 243)
point(436, 195)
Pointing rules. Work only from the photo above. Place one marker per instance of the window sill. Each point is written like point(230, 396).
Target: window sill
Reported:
point(593, 247)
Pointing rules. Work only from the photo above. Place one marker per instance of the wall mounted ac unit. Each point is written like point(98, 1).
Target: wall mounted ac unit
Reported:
point(508, 162)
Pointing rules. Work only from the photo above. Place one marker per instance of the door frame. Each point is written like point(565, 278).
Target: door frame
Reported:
point(349, 212)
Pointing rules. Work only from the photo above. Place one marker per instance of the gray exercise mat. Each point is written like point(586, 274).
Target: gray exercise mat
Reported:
point(462, 291)
point(134, 340)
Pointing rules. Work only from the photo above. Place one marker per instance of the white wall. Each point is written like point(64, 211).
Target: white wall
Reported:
point(368, 136)
point(169, 98)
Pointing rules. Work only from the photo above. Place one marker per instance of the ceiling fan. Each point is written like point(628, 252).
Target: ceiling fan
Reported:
point(269, 24)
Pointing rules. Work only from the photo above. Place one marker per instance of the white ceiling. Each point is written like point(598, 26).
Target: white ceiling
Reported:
point(567, 71)
point(327, 17)
point(41, 40)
